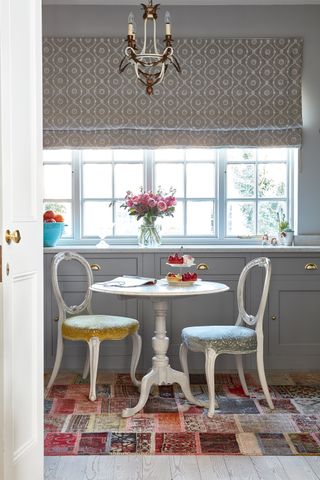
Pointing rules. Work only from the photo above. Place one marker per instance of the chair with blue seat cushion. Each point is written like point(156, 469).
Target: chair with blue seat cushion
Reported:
point(79, 323)
point(238, 339)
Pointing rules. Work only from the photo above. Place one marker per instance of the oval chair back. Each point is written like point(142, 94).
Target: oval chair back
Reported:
point(64, 309)
point(244, 318)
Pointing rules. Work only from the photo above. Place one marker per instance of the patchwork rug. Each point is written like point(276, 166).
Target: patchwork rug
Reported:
point(169, 425)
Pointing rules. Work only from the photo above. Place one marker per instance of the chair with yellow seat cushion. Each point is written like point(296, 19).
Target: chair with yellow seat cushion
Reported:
point(78, 323)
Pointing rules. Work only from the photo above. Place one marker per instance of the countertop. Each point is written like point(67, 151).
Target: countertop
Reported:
point(188, 248)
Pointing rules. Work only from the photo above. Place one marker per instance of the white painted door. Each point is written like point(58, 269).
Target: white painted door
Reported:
point(21, 312)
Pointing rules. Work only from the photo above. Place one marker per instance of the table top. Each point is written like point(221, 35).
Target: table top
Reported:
point(162, 289)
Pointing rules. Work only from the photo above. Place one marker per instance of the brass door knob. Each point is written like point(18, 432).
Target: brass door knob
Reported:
point(311, 266)
point(274, 317)
point(95, 267)
point(202, 266)
point(12, 237)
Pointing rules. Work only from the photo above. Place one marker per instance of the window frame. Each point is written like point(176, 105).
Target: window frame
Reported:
point(220, 202)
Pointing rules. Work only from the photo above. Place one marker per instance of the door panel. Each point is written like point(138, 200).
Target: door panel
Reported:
point(21, 311)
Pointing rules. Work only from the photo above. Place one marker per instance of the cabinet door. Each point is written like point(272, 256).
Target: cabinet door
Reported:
point(294, 322)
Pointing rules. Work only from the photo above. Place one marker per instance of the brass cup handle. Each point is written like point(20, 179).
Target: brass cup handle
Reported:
point(12, 237)
point(202, 266)
point(311, 266)
point(95, 267)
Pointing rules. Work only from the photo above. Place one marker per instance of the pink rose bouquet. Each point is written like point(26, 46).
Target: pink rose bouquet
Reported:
point(150, 205)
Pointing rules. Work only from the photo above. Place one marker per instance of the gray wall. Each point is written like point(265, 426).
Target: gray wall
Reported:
point(218, 21)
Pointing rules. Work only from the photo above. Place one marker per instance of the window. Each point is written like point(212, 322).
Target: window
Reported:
point(222, 195)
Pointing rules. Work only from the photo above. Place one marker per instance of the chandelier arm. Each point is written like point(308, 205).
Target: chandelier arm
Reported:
point(175, 63)
point(122, 67)
point(155, 37)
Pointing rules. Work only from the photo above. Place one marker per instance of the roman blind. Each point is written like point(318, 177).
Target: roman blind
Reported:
point(231, 92)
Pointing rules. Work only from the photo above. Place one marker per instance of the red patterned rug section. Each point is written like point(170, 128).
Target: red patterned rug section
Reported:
point(169, 425)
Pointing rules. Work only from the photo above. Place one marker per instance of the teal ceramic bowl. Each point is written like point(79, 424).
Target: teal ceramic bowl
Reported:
point(52, 233)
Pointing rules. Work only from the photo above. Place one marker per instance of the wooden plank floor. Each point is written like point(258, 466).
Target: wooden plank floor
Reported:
point(181, 468)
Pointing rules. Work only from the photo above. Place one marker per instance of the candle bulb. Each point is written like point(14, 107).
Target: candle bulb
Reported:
point(130, 23)
point(167, 19)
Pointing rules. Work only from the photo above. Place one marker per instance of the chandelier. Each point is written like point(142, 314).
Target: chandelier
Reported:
point(150, 65)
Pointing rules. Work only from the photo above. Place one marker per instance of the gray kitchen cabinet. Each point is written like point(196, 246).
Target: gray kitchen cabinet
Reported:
point(291, 325)
point(294, 313)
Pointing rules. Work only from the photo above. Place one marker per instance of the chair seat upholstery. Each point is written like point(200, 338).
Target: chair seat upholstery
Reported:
point(228, 338)
point(104, 327)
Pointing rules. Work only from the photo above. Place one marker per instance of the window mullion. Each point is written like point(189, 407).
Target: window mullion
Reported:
point(76, 194)
point(222, 194)
point(148, 162)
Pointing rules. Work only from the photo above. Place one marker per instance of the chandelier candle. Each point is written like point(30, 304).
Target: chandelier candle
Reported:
point(150, 66)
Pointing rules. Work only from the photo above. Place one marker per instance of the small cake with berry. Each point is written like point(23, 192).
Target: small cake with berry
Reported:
point(175, 259)
point(173, 277)
point(189, 277)
point(183, 260)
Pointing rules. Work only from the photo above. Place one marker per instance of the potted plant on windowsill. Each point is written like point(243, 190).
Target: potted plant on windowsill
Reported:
point(285, 235)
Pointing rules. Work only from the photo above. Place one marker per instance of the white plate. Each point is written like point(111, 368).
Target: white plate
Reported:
point(184, 265)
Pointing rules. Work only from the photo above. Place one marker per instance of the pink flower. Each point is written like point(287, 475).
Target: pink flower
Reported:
point(152, 203)
point(129, 202)
point(162, 206)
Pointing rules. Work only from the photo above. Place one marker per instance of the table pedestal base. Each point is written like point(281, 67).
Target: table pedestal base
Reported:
point(161, 372)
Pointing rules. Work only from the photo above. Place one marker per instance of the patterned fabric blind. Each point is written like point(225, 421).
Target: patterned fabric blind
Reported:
point(231, 92)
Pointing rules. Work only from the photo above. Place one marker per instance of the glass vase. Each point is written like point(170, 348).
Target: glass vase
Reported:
point(149, 233)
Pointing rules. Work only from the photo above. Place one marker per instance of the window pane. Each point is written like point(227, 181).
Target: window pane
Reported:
point(128, 155)
point(241, 181)
point(272, 154)
point(170, 175)
point(125, 224)
point(267, 216)
point(97, 155)
point(127, 177)
point(97, 180)
point(200, 180)
point(57, 156)
point(241, 154)
point(173, 226)
point(272, 180)
point(65, 209)
point(200, 218)
point(57, 181)
point(97, 216)
point(200, 154)
point(240, 218)
point(169, 155)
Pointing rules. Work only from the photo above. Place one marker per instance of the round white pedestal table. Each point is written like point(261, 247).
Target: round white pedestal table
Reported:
point(160, 294)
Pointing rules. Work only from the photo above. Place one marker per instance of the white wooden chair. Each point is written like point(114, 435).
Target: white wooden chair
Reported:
point(235, 339)
point(79, 323)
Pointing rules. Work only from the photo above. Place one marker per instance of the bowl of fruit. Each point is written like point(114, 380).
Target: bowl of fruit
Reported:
point(53, 226)
point(184, 279)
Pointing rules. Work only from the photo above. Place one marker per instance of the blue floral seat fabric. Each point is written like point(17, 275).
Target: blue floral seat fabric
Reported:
point(229, 338)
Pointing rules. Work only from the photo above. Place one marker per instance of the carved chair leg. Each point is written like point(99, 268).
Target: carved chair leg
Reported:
point(94, 346)
point(57, 362)
point(136, 351)
point(241, 374)
point(86, 367)
point(210, 363)
point(262, 377)
point(183, 355)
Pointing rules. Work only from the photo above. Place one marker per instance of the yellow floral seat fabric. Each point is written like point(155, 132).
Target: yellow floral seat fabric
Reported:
point(104, 327)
